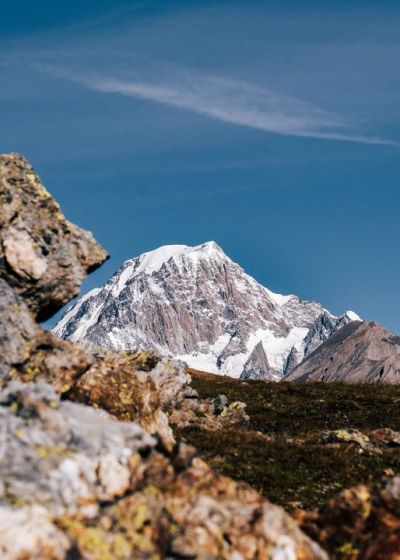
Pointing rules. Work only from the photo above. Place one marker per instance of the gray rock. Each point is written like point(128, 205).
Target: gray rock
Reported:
point(257, 366)
point(28, 532)
point(27, 351)
point(42, 255)
point(62, 455)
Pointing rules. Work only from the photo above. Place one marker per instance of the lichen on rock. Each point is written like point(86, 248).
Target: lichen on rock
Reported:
point(42, 255)
point(28, 352)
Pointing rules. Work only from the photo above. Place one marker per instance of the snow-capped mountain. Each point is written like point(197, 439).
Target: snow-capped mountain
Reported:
point(197, 305)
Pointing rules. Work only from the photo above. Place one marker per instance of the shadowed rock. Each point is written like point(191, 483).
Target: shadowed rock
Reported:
point(361, 523)
point(42, 255)
point(28, 352)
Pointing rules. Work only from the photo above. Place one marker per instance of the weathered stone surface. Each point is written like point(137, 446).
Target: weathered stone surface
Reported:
point(42, 255)
point(28, 352)
point(153, 391)
point(28, 533)
point(207, 413)
point(63, 455)
point(348, 436)
point(386, 436)
point(134, 386)
point(257, 365)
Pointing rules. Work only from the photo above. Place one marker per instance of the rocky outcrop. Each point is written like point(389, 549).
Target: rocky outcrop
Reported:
point(360, 352)
point(140, 387)
point(42, 255)
point(28, 532)
point(62, 455)
point(28, 352)
point(196, 304)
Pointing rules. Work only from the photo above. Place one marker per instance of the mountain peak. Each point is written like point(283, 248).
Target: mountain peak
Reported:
point(152, 261)
point(196, 304)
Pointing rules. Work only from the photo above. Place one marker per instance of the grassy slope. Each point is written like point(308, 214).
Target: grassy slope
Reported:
point(283, 452)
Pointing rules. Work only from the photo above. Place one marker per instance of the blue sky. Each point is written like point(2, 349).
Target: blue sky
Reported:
point(270, 127)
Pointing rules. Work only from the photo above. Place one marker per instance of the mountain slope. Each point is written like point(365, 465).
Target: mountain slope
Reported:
point(361, 352)
point(199, 306)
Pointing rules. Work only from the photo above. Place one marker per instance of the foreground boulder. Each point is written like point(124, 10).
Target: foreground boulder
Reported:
point(42, 255)
point(360, 352)
point(76, 483)
point(361, 523)
point(27, 351)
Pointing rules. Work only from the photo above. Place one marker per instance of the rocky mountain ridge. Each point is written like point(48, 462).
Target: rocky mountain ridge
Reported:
point(197, 305)
point(361, 352)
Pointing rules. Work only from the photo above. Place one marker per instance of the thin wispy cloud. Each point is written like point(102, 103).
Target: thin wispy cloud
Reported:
point(231, 101)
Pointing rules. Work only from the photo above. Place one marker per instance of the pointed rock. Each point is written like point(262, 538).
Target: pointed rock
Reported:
point(257, 366)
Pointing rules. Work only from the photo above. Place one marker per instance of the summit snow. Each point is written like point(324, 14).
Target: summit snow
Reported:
point(196, 304)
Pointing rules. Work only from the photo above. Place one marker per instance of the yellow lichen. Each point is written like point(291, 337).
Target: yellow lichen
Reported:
point(48, 451)
point(97, 543)
point(125, 396)
point(348, 549)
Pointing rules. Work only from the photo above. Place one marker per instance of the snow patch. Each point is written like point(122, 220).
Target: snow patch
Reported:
point(206, 361)
point(152, 261)
point(353, 316)
point(73, 310)
point(279, 299)
point(276, 349)
point(86, 322)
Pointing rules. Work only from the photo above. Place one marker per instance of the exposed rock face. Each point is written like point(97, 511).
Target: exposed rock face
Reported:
point(360, 352)
point(28, 532)
point(136, 386)
point(42, 255)
point(322, 330)
point(27, 351)
point(197, 305)
point(257, 366)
